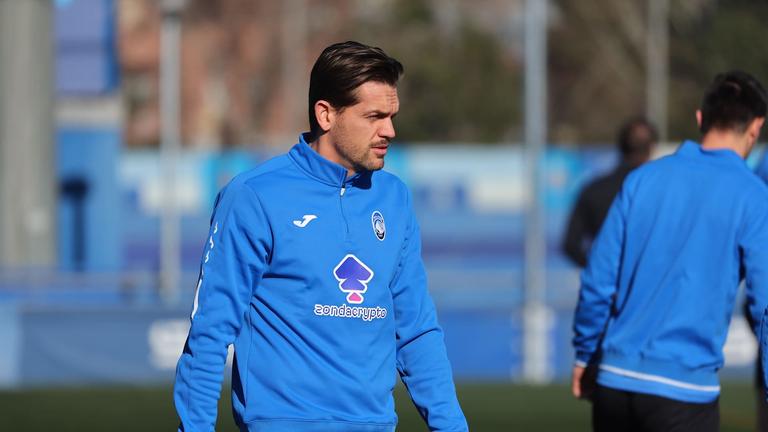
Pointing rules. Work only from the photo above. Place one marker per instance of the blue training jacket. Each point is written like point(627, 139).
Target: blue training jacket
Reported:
point(317, 280)
point(657, 294)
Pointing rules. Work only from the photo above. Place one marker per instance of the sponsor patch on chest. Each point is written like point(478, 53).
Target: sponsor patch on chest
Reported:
point(353, 277)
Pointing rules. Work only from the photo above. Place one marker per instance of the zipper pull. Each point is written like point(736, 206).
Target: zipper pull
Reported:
point(343, 189)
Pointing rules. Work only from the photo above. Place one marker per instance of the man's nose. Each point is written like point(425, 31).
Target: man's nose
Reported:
point(388, 129)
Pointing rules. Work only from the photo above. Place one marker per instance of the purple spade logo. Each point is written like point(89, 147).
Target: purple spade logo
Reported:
point(353, 277)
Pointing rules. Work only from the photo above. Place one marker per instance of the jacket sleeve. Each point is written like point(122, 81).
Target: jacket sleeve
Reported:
point(422, 361)
point(754, 261)
point(599, 282)
point(573, 241)
point(762, 339)
point(233, 262)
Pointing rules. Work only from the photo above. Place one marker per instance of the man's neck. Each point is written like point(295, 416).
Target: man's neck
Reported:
point(725, 140)
point(325, 149)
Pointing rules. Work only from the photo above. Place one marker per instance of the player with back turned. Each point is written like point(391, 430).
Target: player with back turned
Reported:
point(659, 288)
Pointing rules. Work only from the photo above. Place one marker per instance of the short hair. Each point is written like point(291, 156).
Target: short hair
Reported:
point(732, 102)
point(637, 136)
point(341, 69)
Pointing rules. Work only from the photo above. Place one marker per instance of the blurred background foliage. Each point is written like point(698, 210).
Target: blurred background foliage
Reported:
point(460, 85)
point(246, 65)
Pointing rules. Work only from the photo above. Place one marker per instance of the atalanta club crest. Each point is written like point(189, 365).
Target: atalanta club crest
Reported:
point(377, 221)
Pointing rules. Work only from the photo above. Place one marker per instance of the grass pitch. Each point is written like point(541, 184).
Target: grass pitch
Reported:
point(489, 407)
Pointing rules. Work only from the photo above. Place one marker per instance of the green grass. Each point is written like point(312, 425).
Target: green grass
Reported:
point(489, 407)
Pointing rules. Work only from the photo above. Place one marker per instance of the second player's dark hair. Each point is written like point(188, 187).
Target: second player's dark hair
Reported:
point(637, 136)
point(341, 69)
point(732, 102)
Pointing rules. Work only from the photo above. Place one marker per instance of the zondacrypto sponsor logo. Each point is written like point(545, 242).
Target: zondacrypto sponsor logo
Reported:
point(345, 311)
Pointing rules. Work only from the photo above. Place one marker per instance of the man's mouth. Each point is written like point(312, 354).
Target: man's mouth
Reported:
point(380, 150)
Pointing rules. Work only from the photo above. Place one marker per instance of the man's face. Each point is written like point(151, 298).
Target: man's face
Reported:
point(361, 132)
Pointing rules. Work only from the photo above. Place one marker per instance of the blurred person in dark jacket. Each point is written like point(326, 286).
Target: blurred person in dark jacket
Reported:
point(636, 142)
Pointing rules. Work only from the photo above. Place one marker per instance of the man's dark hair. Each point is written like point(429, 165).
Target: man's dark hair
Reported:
point(341, 69)
point(732, 102)
point(636, 137)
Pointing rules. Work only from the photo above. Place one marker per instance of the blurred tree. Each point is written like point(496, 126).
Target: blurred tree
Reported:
point(722, 35)
point(463, 64)
point(597, 68)
point(597, 61)
point(460, 84)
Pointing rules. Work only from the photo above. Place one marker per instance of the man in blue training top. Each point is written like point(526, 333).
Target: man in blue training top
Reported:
point(658, 290)
point(313, 271)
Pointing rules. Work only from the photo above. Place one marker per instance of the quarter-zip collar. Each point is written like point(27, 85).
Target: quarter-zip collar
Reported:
point(693, 149)
point(320, 168)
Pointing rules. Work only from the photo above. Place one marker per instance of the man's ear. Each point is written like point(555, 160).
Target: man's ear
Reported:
point(698, 118)
point(754, 128)
point(325, 115)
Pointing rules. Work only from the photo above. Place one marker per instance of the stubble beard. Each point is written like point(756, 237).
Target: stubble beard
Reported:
point(360, 158)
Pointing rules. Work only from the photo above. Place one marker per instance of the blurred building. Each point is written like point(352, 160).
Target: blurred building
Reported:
point(244, 68)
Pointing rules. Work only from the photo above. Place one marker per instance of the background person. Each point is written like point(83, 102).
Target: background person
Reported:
point(657, 294)
point(636, 141)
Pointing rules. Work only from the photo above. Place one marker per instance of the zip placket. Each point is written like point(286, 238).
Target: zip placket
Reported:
point(341, 208)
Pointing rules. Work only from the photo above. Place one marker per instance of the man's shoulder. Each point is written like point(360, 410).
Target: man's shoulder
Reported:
point(250, 181)
point(756, 186)
point(606, 181)
point(673, 167)
point(264, 171)
point(667, 165)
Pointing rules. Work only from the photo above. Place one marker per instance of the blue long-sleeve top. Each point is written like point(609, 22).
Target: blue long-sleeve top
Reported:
point(657, 295)
point(317, 280)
